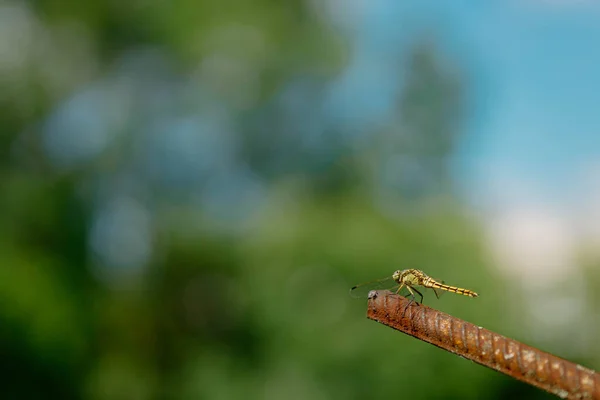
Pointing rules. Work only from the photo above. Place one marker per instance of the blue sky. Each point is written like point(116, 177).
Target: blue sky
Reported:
point(542, 124)
point(534, 89)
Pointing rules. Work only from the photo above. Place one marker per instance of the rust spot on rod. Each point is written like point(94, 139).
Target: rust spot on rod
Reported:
point(555, 375)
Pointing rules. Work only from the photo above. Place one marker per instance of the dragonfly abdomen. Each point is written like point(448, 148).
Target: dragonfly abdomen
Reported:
point(453, 289)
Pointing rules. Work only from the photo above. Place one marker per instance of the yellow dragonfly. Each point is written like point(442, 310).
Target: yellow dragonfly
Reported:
point(408, 278)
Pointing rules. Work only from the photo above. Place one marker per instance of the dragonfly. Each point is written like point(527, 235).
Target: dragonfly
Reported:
point(408, 278)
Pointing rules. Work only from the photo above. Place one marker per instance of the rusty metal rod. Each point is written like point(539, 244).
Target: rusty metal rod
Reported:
point(525, 363)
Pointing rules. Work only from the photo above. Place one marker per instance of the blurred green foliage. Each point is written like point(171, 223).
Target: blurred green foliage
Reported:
point(261, 311)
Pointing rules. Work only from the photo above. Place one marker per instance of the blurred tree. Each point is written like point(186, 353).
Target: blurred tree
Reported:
point(430, 112)
point(292, 136)
point(431, 105)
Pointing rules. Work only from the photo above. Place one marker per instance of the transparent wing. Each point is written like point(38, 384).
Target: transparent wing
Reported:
point(362, 291)
point(438, 292)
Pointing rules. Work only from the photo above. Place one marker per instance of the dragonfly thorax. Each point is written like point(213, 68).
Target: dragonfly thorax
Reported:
point(408, 277)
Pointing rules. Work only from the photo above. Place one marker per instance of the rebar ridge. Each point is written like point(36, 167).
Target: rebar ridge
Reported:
point(555, 375)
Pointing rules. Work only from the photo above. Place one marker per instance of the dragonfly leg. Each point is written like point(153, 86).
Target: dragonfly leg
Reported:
point(412, 299)
point(419, 293)
point(400, 288)
point(406, 307)
point(412, 294)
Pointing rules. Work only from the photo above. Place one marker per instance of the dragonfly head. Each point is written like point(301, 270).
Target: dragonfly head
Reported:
point(396, 275)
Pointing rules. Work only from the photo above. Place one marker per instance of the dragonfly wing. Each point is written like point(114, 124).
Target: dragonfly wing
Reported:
point(362, 291)
point(438, 292)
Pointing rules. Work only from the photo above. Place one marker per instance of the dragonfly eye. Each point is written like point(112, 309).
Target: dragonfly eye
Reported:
point(396, 274)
